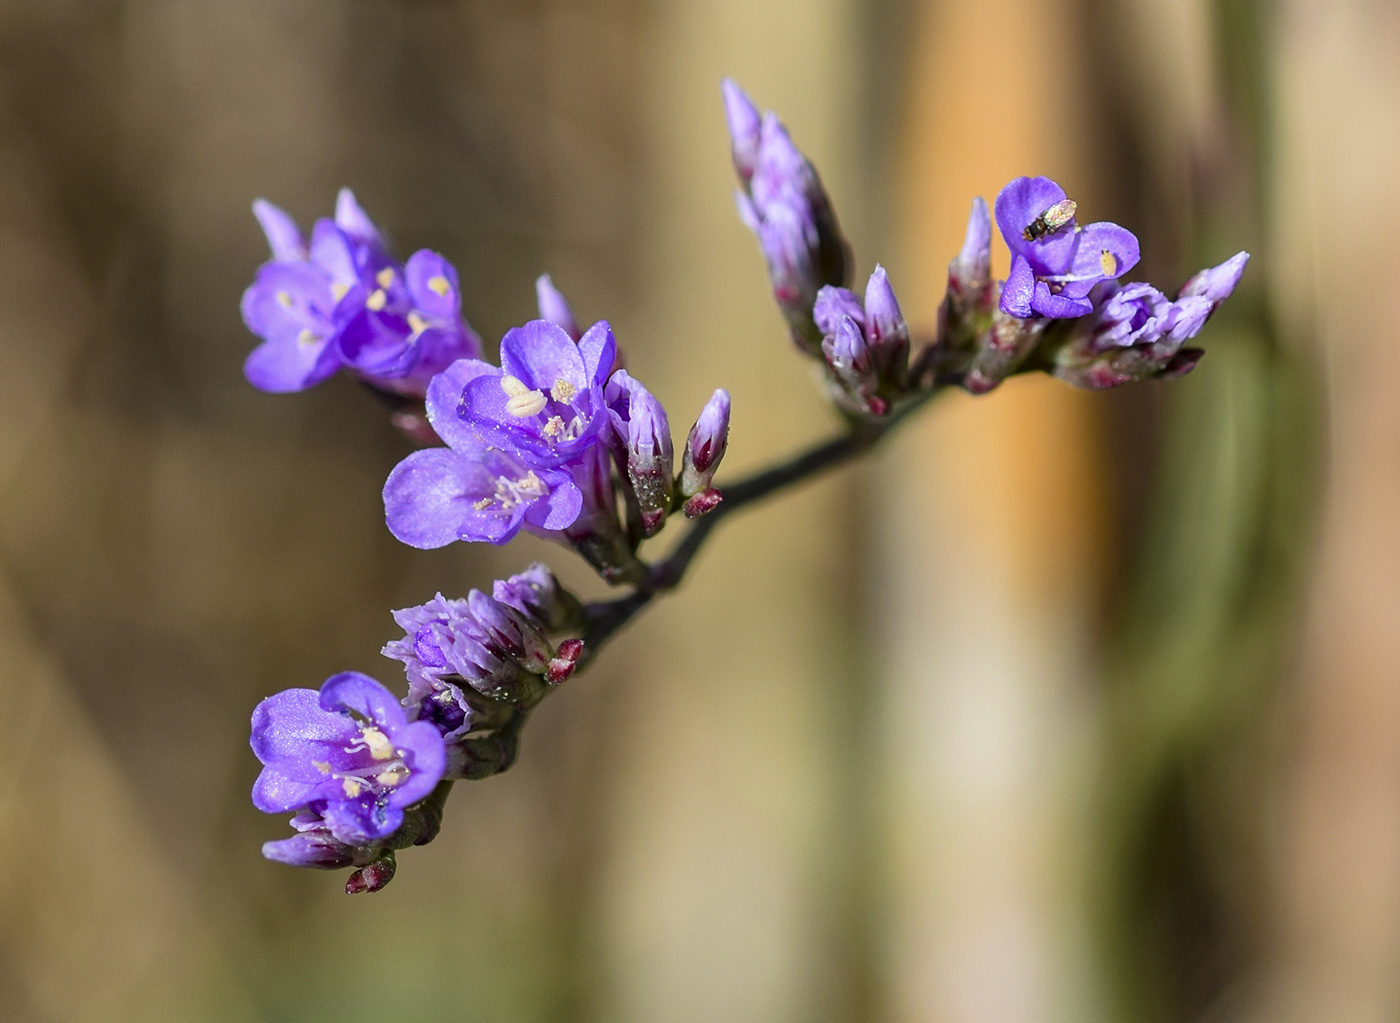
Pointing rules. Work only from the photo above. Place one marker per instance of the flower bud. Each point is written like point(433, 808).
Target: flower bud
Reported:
point(705, 446)
point(852, 369)
point(564, 662)
point(373, 877)
point(555, 308)
point(1217, 282)
point(645, 434)
point(886, 332)
point(703, 503)
point(744, 126)
point(536, 592)
point(517, 635)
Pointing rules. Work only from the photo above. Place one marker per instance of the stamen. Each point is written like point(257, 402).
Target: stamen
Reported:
point(376, 300)
point(379, 745)
point(483, 504)
point(306, 337)
point(523, 401)
point(440, 285)
point(385, 277)
point(417, 323)
point(338, 290)
point(1109, 262)
point(391, 777)
point(352, 786)
point(284, 300)
point(322, 765)
point(554, 426)
point(562, 391)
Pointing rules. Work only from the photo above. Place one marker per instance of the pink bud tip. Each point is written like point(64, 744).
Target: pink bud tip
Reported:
point(415, 426)
point(370, 878)
point(563, 665)
point(652, 520)
point(703, 503)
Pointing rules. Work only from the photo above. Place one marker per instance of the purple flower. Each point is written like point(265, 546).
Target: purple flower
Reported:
point(1054, 262)
point(643, 442)
point(545, 404)
point(314, 846)
point(349, 753)
point(783, 203)
point(705, 445)
point(471, 490)
point(555, 308)
point(343, 300)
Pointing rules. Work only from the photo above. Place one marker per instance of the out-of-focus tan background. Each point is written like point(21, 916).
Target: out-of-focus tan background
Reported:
point(1064, 707)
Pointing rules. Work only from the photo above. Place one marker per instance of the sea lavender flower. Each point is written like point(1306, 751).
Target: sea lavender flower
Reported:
point(866, 345)
point(555, 308)
point(704, 449)
point(544, 405)
point(1054, 262)
point(1137, 332)
point(642, 441)
point(344, 300)
point(782, 201)
point(472, 490)
point(348, 753)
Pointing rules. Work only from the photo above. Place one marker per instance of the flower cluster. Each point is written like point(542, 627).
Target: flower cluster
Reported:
point(343, 300)
point(558, 440)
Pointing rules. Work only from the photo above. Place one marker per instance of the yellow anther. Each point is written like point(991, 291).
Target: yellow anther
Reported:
point(385, 277)
point(351, 786)
point(379, 745)
point(284, 300)
point(1109, 263)
point(417, 323)
point(530, 483)
point(483, 504)
point(322, 766)
point(563, 391)
point(554, 427)
point(523, 401)
point(376, 300)
point(338, 290)
point(306, 337)
point(441, 285)
point(389, 778)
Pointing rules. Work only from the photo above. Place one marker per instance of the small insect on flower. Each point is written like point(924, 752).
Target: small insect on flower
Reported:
point(1050, 220)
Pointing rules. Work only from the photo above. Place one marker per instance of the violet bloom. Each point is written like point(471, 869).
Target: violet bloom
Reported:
point(344, 300)
point(471, 490)
point(544, 405)
point(783, 203)
point(349, 753)
point(1054, 262)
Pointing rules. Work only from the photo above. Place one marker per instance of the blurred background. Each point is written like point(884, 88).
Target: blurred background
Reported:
point(1064, 707)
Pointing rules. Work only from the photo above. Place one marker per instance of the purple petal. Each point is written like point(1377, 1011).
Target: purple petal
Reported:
point(554, 307)
point(283, 235)
point(1017, 206)
point(352, 691)
point(559, 510)
point(433, 286)
point(429, 495)
point(1104, 251)
point(310, 849)
point(361, 821)
point(445, 394)
point(354, 221)
point(833, 305)
point(1060, 307)
point(332, 252)
point(377, 344)
point(287, 724)
point(744, 128)
point(426, 759)
point(540, 353)
point(883, 318)
point(1217, 283)
point(278, 790)
point(280, 367)
point(599, 351)
point(975, 260)
point(1019, 289)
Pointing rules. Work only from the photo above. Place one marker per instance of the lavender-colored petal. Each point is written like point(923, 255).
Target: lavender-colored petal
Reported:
point(744, 128)
point(554, 307)
point(445, 395)
point(834, 304)
point(1053, 306)
point(286, 298)
point(426, 759)
point(559, 510)
point(1185, 317)
point(1017, 206)
point(278, 791)
point(283, 236)
point(355, 222)
point(284, 367)
point(433, 286)
point(353, 691)
point(1019, 289)
point(331, 250)
point(377, 344)
point(428, 497)
point(364, 820)
point(541, 353)
point(1104, 251)
point(710, 435)
point(974, 262)
point(310, 849)
point(598, 348)
point(286, 724)
point(1218, 282)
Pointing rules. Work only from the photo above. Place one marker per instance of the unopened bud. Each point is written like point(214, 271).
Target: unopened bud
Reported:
point(646, 436)
point(705, 447)
point(373, 877)
point(703, 503)
point(885, 331)
point(564, 662)
point(517, 635)
point(537, 592)
point(744, 128)
point(853, 371)
point(555, 308)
